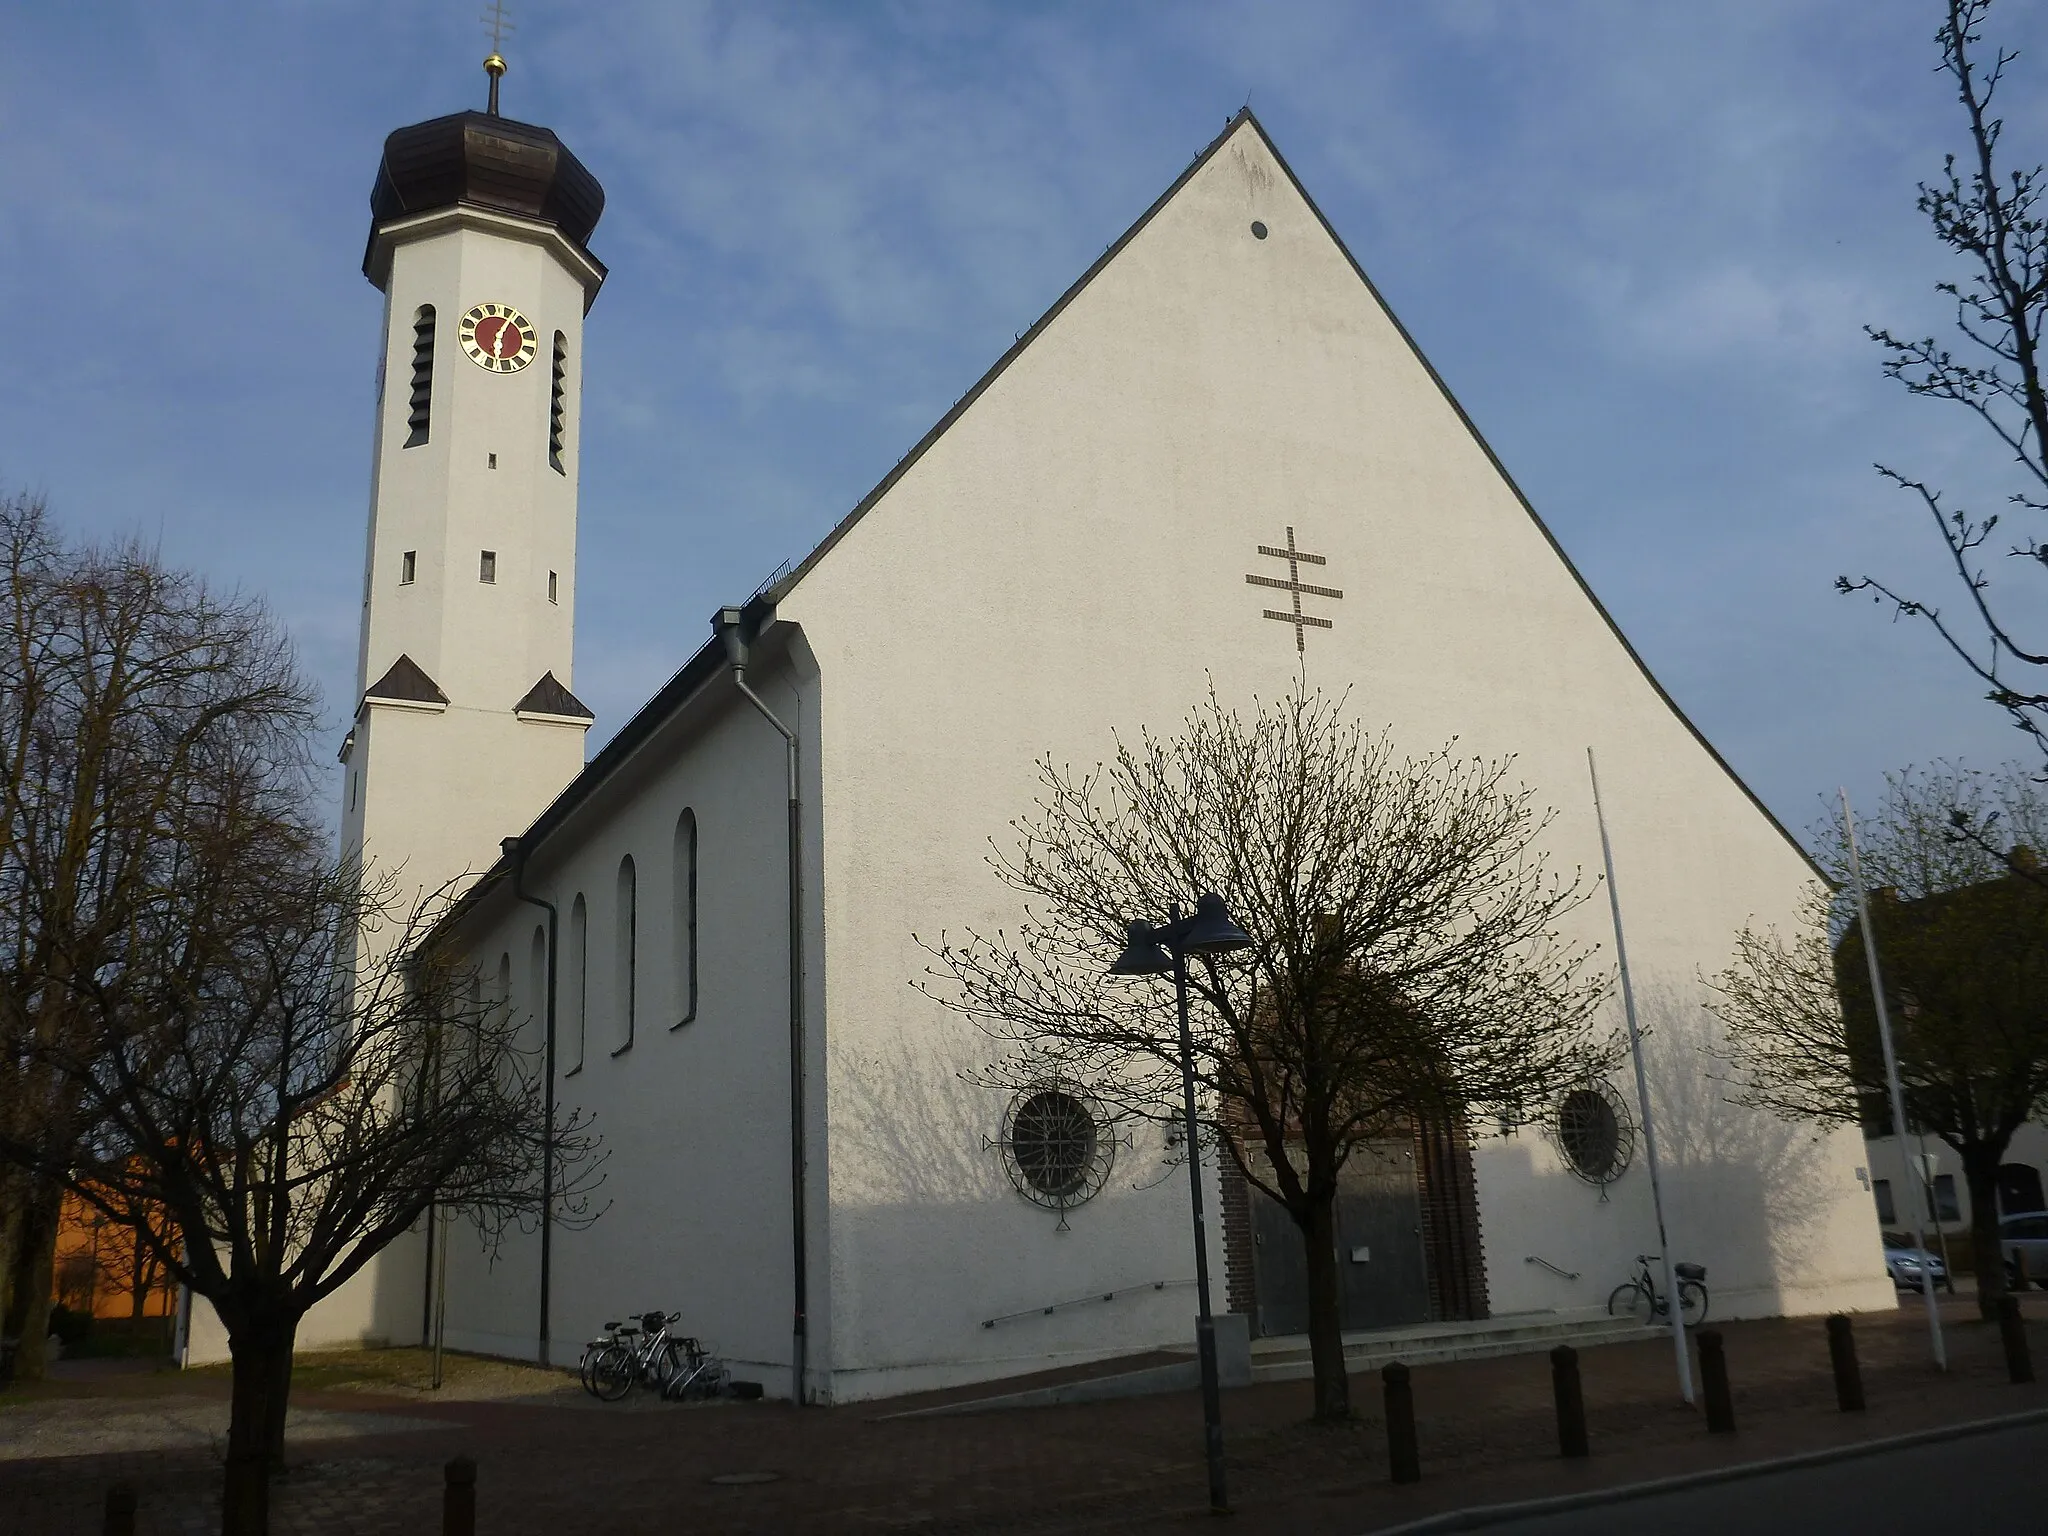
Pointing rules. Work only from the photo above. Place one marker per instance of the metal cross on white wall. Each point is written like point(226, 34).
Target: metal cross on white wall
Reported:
point(1294, 586)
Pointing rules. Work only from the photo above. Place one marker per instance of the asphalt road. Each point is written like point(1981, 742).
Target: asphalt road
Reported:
point(1990, 1482)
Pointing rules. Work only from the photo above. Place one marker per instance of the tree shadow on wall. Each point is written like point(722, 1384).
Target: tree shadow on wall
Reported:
point(1758, 1192)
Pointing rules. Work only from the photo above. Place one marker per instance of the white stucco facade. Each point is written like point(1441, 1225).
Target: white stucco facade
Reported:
point(1063, 559)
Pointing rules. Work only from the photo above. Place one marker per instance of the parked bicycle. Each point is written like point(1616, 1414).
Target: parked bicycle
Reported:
point(643, 1352)
point(1639, 1297)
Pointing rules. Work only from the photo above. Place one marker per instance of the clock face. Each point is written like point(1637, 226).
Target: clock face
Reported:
point(499, 338)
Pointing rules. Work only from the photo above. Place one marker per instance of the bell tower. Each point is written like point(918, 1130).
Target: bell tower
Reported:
point(466, 725)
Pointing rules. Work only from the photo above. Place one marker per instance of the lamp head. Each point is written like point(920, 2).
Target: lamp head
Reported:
point(1143, 955)
point(1212, 931)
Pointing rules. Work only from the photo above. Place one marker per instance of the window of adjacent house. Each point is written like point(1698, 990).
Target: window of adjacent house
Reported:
point(1887, 1213)
point(501, 990)
point(537, 980)
point(1946, 1207)
point(577, 968)
point(556, 403)
point(421, 415)
point(352, 789)
point(487, 566)
point(408, 567)
point(686, 918)
point(553, 590)
point(627, 951)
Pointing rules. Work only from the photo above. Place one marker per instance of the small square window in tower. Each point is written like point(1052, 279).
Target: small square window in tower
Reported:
point(408, 567)
point(556, 401)
point(422, 376)
point(487, 566)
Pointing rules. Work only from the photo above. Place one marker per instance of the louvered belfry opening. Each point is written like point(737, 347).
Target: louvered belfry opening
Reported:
point(555, 406)
point(422, 376)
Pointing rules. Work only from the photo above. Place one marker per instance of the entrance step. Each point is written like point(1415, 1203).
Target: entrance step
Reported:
point(1287, 1358)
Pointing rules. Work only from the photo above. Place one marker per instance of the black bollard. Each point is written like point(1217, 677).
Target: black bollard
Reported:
point(1714, 1383)
point(1571, 1401)
point(120, 1516)
point(458, 1498)
point(2012, 1333)
point(1842, 1355)
point(1404, 1460)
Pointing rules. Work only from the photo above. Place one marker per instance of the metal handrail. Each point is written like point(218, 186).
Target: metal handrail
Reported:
point(1082, 1301)
point(1569, 1274)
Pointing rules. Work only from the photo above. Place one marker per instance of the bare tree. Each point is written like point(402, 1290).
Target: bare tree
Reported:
point(133, 702)
point(263, 1066)
point(267, 1105)
point(1406, 961)
point(1991, 217)
point(1963, 945)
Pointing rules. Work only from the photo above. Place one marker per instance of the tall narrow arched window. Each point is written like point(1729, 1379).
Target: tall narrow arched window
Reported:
point(627, 957)
point(576, 967)
point(557, 401)
point(685, 875)
point(421, 415)
point(537, 982)
point(497, 1022)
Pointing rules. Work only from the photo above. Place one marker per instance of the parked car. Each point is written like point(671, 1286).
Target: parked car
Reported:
point(1905, 1263)
point(2025, 1237)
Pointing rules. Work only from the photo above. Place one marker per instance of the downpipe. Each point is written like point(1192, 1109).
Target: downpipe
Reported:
point(513, 850)
point(728, 623)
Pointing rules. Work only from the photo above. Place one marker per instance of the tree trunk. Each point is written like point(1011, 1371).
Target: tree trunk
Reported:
point(34, 1271)
point(1980, 1173)
point(13, 1197)
point(262, 1355)
point(1325, 1319)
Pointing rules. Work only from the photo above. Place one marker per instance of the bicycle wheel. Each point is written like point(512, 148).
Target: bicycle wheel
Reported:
point(1631, 1300)
point(611, 1373)
point(1692, 1302)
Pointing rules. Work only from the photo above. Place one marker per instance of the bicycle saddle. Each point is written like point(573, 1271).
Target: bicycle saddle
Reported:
point(1690, 1271)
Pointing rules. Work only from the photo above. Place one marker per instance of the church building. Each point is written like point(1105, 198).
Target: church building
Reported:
point(1217, 458)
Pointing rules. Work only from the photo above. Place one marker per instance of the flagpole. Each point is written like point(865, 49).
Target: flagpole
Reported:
point(1891, 1077)
point(1635, 1047)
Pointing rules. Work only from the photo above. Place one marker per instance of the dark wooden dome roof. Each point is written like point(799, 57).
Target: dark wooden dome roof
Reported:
point(487, 162)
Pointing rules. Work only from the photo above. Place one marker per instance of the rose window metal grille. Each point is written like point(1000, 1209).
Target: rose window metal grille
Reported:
point(1596, 1134)
point(1057, 1148)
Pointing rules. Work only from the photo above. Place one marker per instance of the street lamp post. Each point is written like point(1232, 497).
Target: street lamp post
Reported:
point(1153, 950)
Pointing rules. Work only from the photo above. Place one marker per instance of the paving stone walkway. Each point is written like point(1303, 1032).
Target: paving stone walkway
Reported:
point(551, 1463)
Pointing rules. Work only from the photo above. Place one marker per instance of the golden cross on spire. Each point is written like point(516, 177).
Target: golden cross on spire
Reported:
point(494, 66)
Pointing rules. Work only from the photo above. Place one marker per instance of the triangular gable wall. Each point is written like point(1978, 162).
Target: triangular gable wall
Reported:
point(1246, 120)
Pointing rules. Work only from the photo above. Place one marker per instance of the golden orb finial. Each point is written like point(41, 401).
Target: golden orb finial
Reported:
point(494, 65)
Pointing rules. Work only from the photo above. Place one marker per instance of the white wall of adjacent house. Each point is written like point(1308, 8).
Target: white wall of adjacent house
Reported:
point(1068, 564)
point(1895, 1164)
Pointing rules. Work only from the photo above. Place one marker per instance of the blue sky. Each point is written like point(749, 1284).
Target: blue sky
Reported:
point(1638, 240)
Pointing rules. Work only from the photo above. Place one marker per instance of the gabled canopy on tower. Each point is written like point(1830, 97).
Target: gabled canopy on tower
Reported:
point(406, 683)
point(549, 697)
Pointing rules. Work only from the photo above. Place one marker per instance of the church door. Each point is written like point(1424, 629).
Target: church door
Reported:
point(1382, 1270)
